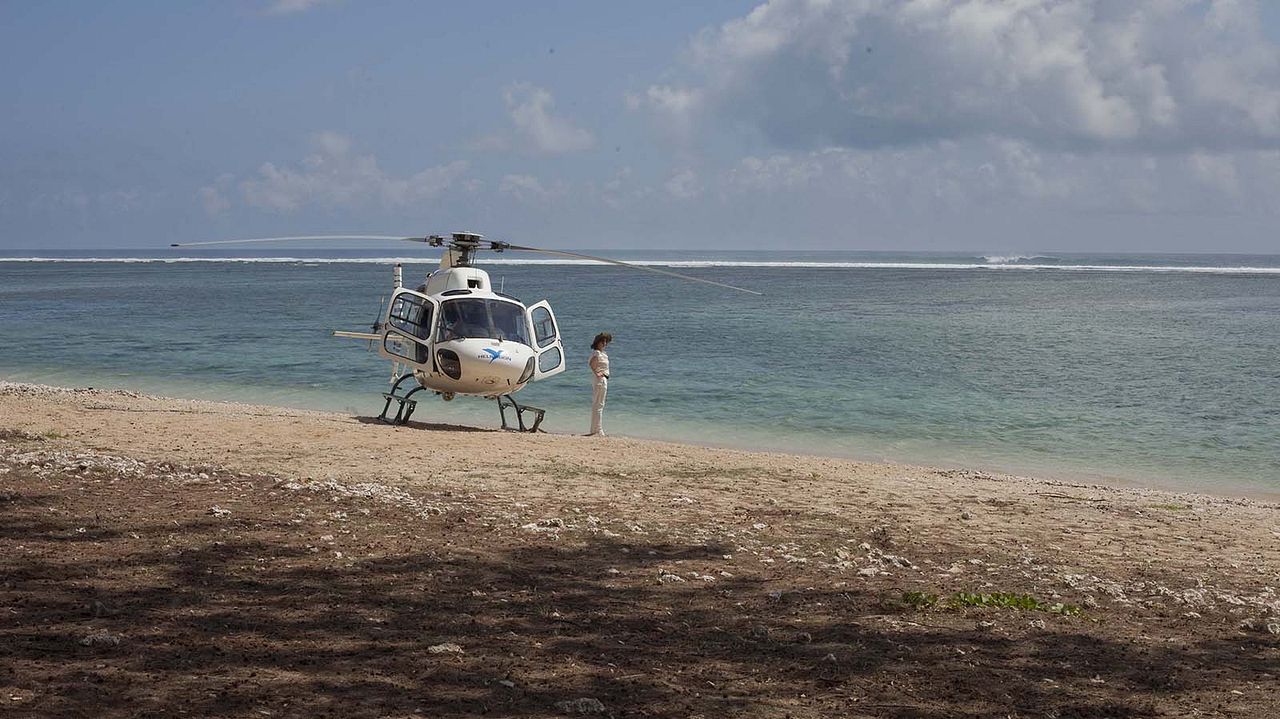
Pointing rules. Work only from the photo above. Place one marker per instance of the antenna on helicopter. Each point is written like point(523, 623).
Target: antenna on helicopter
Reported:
point(462, 247)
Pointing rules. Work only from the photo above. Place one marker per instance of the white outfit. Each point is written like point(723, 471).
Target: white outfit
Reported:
point(599, 363)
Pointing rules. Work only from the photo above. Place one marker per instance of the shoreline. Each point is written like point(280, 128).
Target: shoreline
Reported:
point(1006, 469)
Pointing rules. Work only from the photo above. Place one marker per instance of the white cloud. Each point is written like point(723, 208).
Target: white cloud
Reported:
point(679, 109)
point(943, 116)
point(536, 128)
point(333, 176)
point(1143, 75)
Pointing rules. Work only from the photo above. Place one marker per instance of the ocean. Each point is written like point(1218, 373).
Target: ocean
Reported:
point(1161, 370)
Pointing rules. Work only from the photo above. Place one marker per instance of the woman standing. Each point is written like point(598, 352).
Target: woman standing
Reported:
point(599, 363)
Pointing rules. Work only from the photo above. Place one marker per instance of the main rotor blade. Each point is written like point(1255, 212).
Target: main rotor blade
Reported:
point(620, 263)
point(301, 237)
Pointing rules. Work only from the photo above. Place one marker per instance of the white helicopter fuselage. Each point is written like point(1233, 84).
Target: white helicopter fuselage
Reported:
point(459, 337)
point(485, 367)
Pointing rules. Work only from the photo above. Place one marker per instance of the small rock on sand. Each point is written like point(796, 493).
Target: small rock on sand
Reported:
point(446, 648)
point(101, 638)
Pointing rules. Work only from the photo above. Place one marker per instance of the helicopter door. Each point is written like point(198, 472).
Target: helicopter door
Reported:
point(546, 340)
point(407, 329)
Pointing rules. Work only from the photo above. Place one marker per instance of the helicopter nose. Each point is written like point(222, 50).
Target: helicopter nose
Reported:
point(498, 365)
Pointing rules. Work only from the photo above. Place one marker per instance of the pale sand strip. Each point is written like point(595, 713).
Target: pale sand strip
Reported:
point(1090, 544)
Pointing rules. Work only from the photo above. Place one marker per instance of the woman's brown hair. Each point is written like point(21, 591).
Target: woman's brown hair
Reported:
point(602, 338)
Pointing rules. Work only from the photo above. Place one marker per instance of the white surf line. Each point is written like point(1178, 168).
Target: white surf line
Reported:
point(1001, 266)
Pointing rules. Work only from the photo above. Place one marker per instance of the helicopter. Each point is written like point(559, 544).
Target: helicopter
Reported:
point(455, 335)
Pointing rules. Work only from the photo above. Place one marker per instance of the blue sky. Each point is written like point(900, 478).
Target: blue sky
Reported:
point(1133, 125)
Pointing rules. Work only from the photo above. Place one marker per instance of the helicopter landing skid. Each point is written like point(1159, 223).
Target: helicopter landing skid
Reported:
point(506, 400)
point(404, 405)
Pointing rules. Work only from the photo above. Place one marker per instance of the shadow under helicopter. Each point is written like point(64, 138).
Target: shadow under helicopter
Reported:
point(432, 426)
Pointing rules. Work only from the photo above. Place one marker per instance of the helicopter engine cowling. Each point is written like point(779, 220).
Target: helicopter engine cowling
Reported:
point(479, 366)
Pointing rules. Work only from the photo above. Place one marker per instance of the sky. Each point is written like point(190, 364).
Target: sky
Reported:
point(986, 125)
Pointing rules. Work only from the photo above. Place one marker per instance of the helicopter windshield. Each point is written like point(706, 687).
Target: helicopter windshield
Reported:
point(487, 319)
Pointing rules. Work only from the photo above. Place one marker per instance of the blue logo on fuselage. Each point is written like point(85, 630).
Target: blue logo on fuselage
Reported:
point(494, 354)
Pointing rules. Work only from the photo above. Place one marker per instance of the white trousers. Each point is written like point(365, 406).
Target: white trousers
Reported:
point(599, 389)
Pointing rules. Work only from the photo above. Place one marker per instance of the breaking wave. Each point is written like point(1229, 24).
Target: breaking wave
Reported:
point(1012, 259)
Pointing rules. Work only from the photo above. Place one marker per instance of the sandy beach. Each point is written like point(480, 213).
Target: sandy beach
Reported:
point(167, 557)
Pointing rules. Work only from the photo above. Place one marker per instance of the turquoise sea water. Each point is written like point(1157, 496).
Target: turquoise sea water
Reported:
point(1161, 370)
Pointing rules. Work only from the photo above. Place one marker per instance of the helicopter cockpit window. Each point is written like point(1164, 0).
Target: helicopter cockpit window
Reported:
point(483, 318)
point(411, 315)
